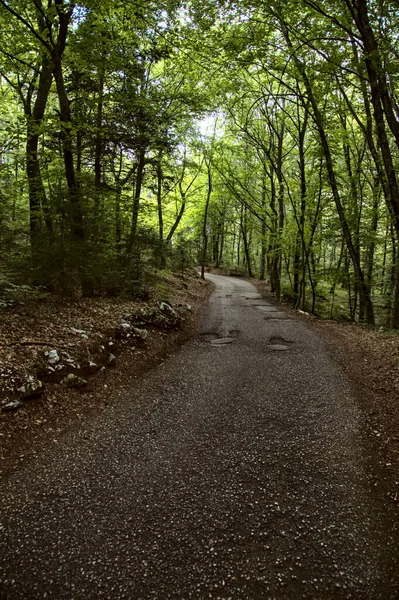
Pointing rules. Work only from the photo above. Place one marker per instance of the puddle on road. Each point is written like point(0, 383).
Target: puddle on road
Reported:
point(279, 341)
point(234, 332)
point(208, 336)
point(252, 296)
point(213, 338)
point(277, 316)
point(276, 348)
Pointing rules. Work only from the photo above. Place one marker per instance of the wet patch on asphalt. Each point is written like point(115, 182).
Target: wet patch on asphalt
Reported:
point(267, 308)
point(276, 347)
point(277, 316)
point(215, 339)
point(276, 340)
point(208, 336)
point(221, 341)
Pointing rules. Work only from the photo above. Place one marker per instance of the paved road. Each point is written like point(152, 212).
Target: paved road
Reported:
point(235, 470)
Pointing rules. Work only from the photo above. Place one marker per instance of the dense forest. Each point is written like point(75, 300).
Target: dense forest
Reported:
point(259, 137)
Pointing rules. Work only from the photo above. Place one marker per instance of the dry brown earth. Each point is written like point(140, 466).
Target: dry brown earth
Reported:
point(30, 329)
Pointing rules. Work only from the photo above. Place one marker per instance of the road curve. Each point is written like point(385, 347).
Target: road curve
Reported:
point(236, 470)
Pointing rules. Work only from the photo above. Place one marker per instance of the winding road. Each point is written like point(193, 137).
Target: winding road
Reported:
point(238, 469)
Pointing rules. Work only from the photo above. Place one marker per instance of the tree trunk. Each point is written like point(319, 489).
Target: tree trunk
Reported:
point(375, 68)
point(205, 222)
point(355, 258)
point(245, 241)
point(98, 153)
point(136, 200)
point(66, 135)
point(37, 193)
point(118, 228)
point(162, 257)
point(180, 213)
point(262, 272)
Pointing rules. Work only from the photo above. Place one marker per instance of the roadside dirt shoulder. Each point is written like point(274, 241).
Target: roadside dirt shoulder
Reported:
point(82, 330)
point(370, 360)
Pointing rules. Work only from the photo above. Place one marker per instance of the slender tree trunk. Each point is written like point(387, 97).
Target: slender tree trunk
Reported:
point(162, 257)
point(118, 228)
point(98, 153)
point(179, 215)
point(205, 222)
point(37, 193)
point(221, 249)
point(245, 240)
point(136, 200)
point(262, 272)
point(373, 237)
point(66, 134)
point(263, 254)
point(278, 261)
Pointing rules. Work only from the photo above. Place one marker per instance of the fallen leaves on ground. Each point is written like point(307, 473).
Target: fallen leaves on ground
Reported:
point(79, 327)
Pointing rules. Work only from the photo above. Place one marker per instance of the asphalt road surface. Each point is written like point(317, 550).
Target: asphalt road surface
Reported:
point(237, 469)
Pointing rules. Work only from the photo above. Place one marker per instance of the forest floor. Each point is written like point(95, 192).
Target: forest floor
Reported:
point(100, 340)
point(370, 359)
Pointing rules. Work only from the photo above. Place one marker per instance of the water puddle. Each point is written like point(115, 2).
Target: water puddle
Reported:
point(279, 341)
point(277, 348)
point(221, 341)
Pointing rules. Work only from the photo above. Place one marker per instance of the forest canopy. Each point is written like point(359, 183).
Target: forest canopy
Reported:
point(259, 137)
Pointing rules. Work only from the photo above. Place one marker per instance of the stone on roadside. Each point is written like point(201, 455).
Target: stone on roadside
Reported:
point(126, 326)
point(71, 362)
point(32, 388)
point(111, 362)
point(73, 381)
point(167, 309)
point(52, 357)
point(141, 333)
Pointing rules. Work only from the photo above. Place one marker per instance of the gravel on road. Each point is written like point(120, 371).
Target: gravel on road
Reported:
point(237, 469)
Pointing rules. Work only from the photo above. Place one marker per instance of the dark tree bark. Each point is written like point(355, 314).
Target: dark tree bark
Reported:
point(98, 152)
point(205, 221)
point(354, 256)
point(34, 117)
point(162, 257)
point(136, 200)
point(376, 72)
point(244, 234)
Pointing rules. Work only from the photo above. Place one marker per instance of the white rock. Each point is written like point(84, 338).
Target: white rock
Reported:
point(111, 360)
point(52, 357)
point(33, 387)
point(141, 333)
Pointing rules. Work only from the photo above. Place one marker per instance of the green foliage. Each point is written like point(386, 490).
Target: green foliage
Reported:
point(165, 134)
